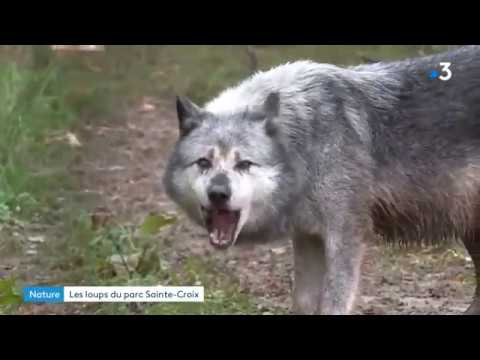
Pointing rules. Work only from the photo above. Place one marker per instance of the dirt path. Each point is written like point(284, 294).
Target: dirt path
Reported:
point(122, 163)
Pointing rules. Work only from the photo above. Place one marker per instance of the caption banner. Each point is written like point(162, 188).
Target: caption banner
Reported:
point(113, 294)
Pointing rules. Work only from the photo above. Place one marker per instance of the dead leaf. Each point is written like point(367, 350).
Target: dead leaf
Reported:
point(146, 108)
point(72, 140)
point(36, 239)
point(119, 261)
point(100, 218)
point(279, 251)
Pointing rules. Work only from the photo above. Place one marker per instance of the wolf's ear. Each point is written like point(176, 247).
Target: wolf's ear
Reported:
point(271, 108)
point(189, 115)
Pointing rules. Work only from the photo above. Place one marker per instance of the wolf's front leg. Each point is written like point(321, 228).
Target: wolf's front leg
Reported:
point(343, 258)
point(309, 261)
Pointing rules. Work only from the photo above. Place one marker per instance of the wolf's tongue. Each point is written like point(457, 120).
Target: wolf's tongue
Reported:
point(223, 224)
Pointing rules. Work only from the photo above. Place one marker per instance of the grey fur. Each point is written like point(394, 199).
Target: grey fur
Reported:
point(377, 148)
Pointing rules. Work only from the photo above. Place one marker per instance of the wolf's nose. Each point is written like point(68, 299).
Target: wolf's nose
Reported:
point(219, 191)
point(219, 195)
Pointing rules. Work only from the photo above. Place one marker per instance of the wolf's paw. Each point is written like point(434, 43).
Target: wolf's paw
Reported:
point(305, 305)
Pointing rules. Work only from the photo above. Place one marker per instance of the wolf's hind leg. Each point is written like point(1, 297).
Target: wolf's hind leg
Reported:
point(309, 261)
point(472, 244)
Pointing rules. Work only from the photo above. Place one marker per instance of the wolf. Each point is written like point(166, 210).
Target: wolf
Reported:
point(333, 157)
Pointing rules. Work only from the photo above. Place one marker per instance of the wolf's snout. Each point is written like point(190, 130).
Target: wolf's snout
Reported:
point(219, 191)
point(221, 221)
point(219, 196)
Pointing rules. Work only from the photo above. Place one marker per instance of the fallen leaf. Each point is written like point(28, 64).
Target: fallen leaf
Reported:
point(119, 261)
point(72, 140)
point(36, 239)
point(146, 108)
point(100, 218)
point(154, 223)
point(279, 251)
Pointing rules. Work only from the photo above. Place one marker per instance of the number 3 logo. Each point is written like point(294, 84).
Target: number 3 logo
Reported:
point(446, 70)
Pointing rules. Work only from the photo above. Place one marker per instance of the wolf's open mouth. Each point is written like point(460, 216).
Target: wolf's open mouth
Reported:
point(221, 226)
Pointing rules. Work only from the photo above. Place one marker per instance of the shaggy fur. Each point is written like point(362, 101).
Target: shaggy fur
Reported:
point(348, 152)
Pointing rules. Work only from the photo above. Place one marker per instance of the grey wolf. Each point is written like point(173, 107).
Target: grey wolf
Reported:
point(332, 157)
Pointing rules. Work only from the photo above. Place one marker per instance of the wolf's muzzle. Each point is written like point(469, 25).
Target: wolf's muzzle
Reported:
point(219, 191)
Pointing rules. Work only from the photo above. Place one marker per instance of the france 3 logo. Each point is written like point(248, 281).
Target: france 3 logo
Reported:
point(444, 74)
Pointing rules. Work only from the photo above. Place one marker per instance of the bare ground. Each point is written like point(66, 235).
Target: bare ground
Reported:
point(122, 163)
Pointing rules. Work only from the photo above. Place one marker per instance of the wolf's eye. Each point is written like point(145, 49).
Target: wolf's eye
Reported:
point(243, 165)
point(204, 164)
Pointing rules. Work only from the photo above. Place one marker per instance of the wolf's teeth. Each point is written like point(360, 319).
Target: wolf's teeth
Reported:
point(214, 236)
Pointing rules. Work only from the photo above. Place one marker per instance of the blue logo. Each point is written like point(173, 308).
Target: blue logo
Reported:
point(43, 295)
point(434, 74)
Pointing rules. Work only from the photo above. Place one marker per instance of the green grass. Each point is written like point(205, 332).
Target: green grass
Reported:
point(31, 108)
